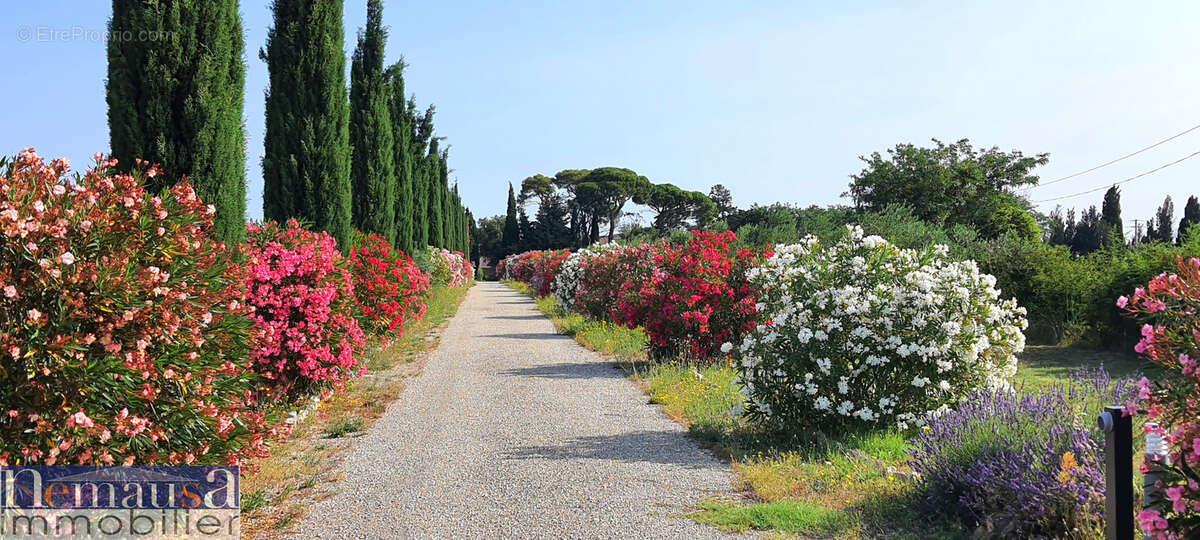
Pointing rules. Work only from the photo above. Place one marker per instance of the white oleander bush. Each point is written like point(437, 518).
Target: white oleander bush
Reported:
point(861, 332)
point(566, 284)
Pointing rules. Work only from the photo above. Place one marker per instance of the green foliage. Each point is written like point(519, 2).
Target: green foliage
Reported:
point(434, 218)
point(1191, 217)
point(306, 162)
point(177, 101)
point(948, 183)
point(403, 160)
point(421, 140)
point(511, 234)
point(372, 172)
point(674, 207)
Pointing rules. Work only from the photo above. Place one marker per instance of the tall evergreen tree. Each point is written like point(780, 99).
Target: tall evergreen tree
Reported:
point(444, 186)
point(1165, 217)
point(511, 238)
point(1110, 211)
point(434, 180)
point(178, 101)
point(402, 158)
point(1191, 216)
point(306, 162)
point(372, 172)
point(422, 138)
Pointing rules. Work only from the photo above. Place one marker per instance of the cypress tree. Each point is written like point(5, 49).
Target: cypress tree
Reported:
point(402, 159)
point(422, 134)
point(306, 162)
point(1166, 221)
point(1110, 211)
point(372, 172)
point(511, 237)
point(447, 203)
point(1191, 216)
point(177, 101)
point(433, 178)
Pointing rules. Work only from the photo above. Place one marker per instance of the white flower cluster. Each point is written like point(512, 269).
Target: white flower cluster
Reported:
point(566, 284)
point(862, 331)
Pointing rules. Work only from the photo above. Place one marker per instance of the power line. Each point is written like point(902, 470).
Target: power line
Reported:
point(1126, 156)
point(1130, 179)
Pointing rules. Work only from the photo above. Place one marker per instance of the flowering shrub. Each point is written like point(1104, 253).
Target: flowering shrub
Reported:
point(696, 298)
point(388, 286)
point(602, 275)
point(450, 268)
point(1170, 306)
point(303, 296)
point(122, 324)
point(862, 332)
point(546, 265)
point(569, 276)
point(1022, 465)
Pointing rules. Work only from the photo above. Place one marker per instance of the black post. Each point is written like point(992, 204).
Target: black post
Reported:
point(1118, 481)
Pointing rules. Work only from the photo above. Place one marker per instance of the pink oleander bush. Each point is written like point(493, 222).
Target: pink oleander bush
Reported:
point(1170, 308)
point(303, 294)
point(696, 298)
point(545, 266)
point(450, 268)
point(123, 329)
point(602, 276)
point(389, 288)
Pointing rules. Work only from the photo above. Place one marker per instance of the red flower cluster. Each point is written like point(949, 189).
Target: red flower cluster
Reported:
point(303, 296)
point(696, 298)
point(390, 290)
point(538, 268)
point(122, 324)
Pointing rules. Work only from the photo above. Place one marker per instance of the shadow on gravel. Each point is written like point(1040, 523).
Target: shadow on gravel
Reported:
point(568, 370)
point(669, 447)
point(531, 335)
point(518, 317)
point(522, 302)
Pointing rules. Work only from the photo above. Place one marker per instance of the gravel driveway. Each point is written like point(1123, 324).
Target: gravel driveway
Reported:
point(515, 431)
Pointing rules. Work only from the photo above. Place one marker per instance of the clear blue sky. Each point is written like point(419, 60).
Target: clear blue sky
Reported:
point(776, 100)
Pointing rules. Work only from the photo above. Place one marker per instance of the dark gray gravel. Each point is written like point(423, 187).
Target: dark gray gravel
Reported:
point(514, 431)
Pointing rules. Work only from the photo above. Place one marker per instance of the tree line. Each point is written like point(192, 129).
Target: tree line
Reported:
point(578, 207)
point(341, 159)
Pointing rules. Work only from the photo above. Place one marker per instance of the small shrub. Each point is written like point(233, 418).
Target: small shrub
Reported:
point(389, 287)
point(449, 268)
point(303, 295)
point(122, 324)
point(1021, 464)
point(862, 333)
point(1170, 307)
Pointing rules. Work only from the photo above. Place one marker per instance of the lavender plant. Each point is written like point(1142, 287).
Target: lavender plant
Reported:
point(1022, 463)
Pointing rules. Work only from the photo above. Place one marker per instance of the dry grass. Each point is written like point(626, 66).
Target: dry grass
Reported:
point(277, 490)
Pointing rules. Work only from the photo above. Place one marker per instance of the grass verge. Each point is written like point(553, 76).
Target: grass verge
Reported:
point(301, 470)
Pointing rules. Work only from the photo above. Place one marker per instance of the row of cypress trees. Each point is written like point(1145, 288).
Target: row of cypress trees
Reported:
point(365, 159)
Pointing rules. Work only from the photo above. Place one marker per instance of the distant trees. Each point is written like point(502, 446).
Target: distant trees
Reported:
point(947, 183)
point(1161, 228)
point(1191, 217)
point(178, 101)
point(575, 204)
point(723, 200)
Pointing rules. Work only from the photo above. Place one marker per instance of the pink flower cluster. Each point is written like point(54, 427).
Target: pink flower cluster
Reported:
point(1170, 307)
point(450, 268)
point(303, 295)
point(123, 327)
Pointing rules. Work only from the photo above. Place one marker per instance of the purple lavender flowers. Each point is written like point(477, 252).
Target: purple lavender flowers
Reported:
point(1021, 463)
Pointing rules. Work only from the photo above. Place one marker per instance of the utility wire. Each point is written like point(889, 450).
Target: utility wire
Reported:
point(1130, 179)
point(1126, 156)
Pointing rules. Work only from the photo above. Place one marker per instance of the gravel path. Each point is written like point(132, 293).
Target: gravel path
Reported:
point(515, 431)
